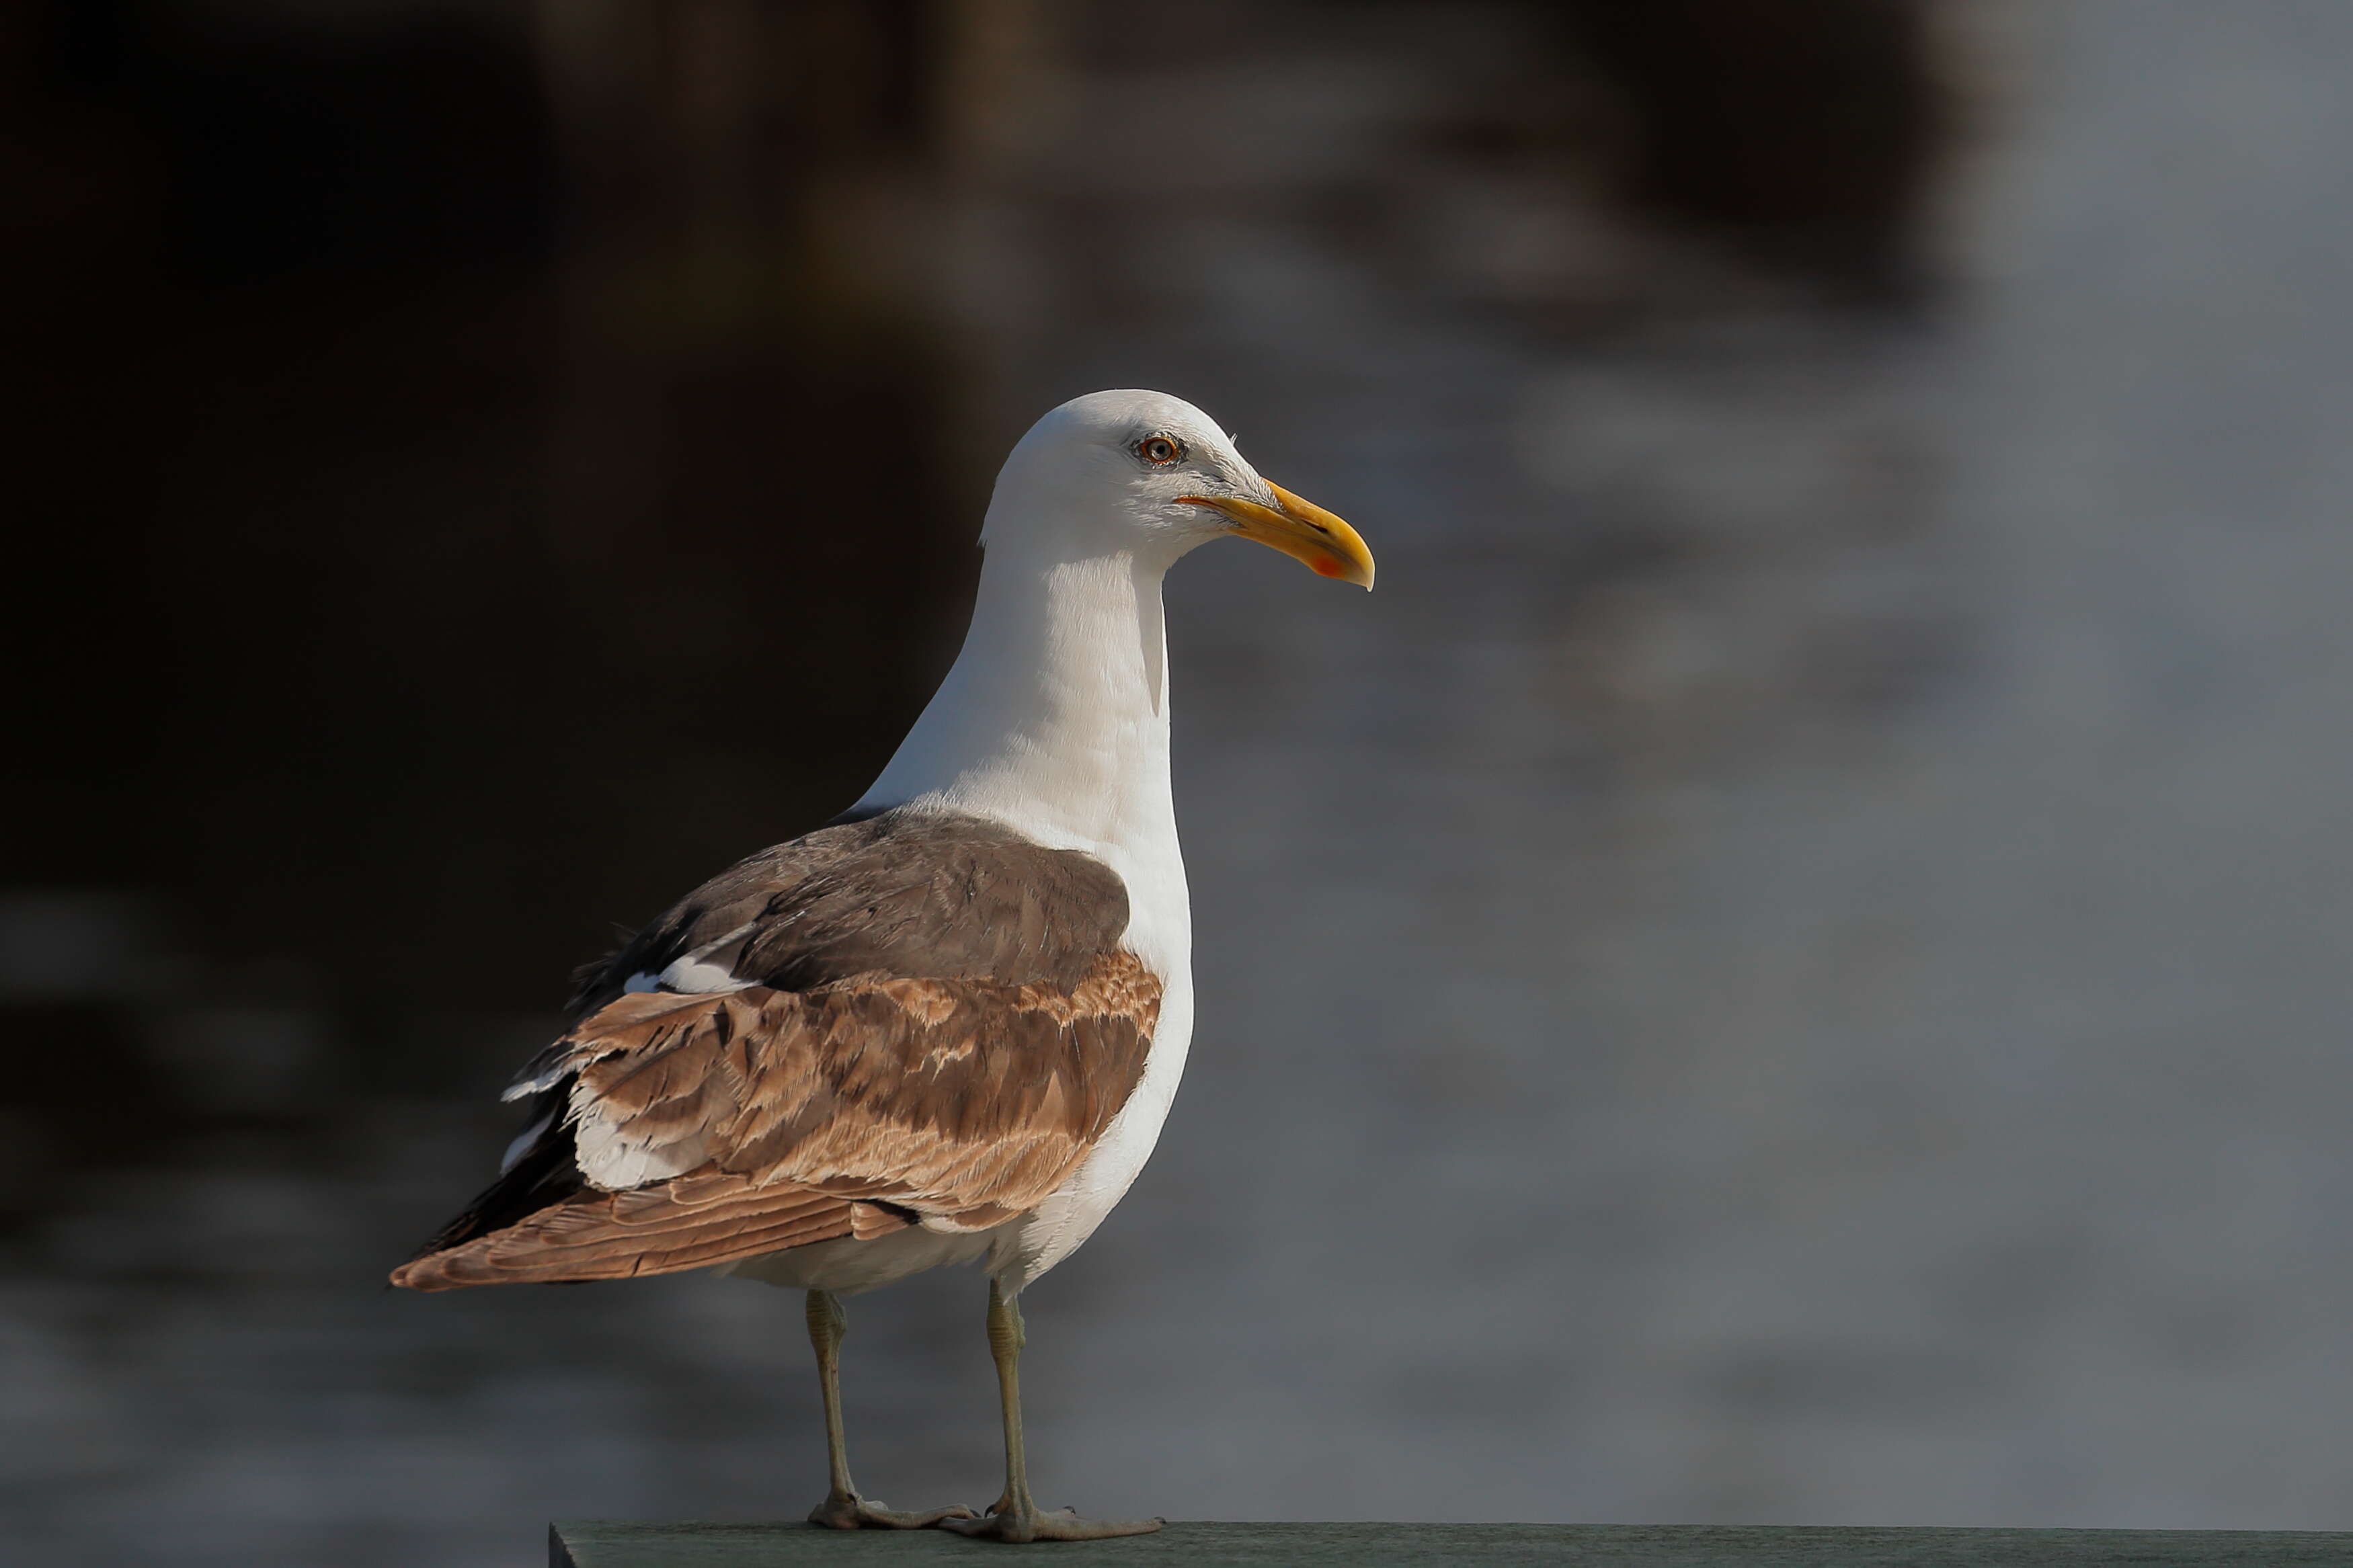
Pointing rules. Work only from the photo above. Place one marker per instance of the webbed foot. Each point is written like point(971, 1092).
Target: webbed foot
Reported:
point(1026, 1525)
point(848, 1510)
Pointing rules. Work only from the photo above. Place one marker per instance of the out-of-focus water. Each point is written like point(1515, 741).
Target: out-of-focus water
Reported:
point(1789, 964)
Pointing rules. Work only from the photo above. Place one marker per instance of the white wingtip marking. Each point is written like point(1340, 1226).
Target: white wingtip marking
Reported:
point(693, 976)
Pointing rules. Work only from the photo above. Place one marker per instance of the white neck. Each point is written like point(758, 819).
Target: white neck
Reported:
point(1055, 717)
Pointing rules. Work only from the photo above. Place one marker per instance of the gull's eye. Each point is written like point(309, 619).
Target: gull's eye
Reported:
point(1159, 450)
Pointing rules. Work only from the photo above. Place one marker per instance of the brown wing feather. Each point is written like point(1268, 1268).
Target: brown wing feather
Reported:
point(690, 1223)
point(715, 1127)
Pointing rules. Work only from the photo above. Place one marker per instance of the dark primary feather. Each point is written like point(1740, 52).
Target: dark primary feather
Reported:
point(547, 1173)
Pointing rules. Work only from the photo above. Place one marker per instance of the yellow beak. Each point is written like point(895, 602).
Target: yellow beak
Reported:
point(1301, 529)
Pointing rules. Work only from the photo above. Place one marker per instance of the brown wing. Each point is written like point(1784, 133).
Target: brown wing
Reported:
point(707, 1128)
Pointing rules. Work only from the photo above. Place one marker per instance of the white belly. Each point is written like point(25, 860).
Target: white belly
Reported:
point(847, 1266)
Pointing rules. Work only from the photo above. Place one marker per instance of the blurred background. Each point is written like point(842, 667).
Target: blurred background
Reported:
point(1827, 866)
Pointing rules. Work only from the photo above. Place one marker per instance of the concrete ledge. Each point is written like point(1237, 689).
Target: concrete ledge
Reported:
point(612, 1545)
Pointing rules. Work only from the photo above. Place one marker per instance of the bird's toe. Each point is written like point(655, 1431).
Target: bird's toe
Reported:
point(1019, 1525)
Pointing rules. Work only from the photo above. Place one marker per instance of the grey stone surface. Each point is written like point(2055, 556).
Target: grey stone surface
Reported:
point(605, 1544)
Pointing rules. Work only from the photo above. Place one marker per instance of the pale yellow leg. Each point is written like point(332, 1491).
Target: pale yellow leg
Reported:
point(1015, 1517)
point(843, 1508)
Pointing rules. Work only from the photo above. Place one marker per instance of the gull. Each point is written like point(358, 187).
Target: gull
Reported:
point(945, 1027)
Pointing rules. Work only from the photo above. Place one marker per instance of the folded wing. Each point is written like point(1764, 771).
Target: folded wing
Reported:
point(960, 1073)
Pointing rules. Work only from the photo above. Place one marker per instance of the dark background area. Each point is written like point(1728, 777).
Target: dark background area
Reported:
point(475, 469)
point(496, 499)
point(468, 453)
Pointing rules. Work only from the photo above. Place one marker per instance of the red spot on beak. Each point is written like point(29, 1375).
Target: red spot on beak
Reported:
point(1326, 567)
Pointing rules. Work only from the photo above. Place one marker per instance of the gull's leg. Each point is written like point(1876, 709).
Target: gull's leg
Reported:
point(1015, 1517)
point(843, 1508)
